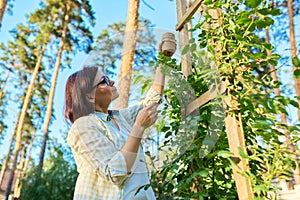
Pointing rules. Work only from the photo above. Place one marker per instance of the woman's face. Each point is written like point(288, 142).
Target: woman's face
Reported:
point(105, 91)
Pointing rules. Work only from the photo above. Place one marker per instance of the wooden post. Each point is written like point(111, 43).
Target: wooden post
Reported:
point(234, 130)
point(183, 39)
point(236, 138)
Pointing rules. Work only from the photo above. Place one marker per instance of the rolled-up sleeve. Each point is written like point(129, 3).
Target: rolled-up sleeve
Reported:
point(131, 112)
point(91, 145)
point(151, 96)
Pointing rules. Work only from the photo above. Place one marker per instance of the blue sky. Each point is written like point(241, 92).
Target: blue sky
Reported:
point(107, 12)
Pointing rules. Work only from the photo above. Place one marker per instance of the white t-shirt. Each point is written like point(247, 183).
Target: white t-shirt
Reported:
point(139, 177)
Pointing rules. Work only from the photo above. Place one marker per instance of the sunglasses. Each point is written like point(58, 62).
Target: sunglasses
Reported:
point(104, 80)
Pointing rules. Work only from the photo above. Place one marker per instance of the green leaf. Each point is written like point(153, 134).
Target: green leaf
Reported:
point(259, 55)
point(151, 63)
point(192, 40)
point(185, 49)
point(242, 154)
point(207, 2)
point(264, 11)
point(297, 74)
point(145, 86)
point(211, 50)
point(269, 21)
point(294, 103)
point(282, 110)
point(296, 62)
point(203, 44)
point(252, 3)
point(259, 188)
point(272, 62)
point(267, 46)
point(262, 124)
point(138, 79)
point(275, 56)
point(275, 12)
point(269, 11)
point(224, 154)
point(203, 173)
point(193, 47)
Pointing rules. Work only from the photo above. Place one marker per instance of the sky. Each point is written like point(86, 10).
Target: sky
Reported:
point(162, 14)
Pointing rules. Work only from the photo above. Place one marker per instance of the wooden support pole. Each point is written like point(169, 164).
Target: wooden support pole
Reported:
point(205, 97)
point(236, 138)
point(183, 39)
point(234, 129)
point(188, 14)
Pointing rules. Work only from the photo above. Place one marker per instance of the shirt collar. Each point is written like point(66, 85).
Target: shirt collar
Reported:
point(106, 116)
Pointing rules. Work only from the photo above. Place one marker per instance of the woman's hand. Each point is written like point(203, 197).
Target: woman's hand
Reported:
point(147, 116)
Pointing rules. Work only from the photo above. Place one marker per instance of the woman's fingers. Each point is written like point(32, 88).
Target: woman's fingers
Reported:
point(152, 105)
point(148, 115)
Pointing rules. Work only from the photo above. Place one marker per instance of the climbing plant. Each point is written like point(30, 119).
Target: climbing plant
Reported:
point(201, 167)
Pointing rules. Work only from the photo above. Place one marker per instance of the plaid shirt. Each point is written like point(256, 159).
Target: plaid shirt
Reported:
point(96, 146)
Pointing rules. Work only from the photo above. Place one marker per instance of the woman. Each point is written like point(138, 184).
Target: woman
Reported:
point(106, 144)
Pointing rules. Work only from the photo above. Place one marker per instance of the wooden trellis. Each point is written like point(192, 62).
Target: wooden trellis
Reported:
point(233, 123)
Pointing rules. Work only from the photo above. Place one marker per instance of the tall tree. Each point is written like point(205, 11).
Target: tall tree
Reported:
point(19, 170)
point(53, 83)
point(8, 155)
point(38, 54)
point(17, 191)
point(3, 4)
point(274, 76)
point(282, 115)
point(4, 83)
point(72, 17)
point(292, 39)
point(129, 45)
point(10, 53)
point(7, 63)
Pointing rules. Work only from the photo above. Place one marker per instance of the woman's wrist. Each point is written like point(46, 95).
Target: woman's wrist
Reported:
point(137, 131)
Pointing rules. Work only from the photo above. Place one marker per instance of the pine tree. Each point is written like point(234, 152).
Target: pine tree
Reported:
point(72, 25)
point(128, 49)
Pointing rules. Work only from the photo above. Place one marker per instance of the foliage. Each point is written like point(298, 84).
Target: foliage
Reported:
point(57, 180)
point(203, 170)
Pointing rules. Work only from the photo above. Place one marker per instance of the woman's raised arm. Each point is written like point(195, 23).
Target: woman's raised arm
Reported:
point(167, 47)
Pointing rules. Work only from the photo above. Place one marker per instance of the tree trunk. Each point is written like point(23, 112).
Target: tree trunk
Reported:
point(129, 46)
point(17, 191)
point(53, 85)
point(19, 172)
point(5, 163)
point(277, 91)
point(296, 81)
point(22, 120)
point(4, 84)
point(275, 78)
point(3, 4)
point(293, 49)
